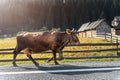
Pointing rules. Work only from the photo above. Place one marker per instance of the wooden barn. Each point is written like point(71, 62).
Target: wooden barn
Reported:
point(116, 24)
point(91, 29)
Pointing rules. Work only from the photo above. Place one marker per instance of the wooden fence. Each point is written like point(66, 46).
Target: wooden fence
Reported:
point(10, 50)
point(109, 37)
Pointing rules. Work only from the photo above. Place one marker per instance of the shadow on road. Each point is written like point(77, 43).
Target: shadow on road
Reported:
point(70, 67)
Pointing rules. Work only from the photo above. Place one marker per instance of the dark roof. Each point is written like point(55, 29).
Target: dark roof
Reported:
point(117, 17)
point(90, 25)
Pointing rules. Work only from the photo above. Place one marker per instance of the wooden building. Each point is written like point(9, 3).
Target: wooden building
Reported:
point(92, 29)
point(116, 24)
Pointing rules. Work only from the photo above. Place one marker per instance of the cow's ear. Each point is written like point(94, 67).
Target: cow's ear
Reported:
point(68, 31)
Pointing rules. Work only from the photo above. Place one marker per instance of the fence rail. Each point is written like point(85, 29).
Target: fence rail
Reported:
point(90, 57)
point(10, 50)
point(109, 37)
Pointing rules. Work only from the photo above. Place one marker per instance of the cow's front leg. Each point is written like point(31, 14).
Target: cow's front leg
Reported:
point(60, 55)
point(54, 57)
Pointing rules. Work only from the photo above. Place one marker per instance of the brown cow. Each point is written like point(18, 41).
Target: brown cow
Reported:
point(42, 41)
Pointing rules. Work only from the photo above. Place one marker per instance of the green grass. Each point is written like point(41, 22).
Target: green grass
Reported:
point(11, 43)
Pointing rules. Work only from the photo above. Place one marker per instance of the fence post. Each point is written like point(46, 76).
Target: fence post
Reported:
point(105, 36)
point(117, 44)
point(85, 34)
point(111, 37)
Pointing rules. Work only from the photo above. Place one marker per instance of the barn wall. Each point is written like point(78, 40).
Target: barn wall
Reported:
point(91, 33)
point(113, 31)
point(117, 32)
point(82, 34)
point(103, 27)
point(87, 34)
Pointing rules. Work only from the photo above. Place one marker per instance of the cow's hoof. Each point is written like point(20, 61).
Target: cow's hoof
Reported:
point(15, 65)
point(61, 59)
point(56, 63)
point(118, 54)
point(36, 64)
point(48, 61)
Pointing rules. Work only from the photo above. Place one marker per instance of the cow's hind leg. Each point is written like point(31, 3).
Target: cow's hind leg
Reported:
point(60, 55)
point(50, 60)
point(28, 53)
point(30, 57)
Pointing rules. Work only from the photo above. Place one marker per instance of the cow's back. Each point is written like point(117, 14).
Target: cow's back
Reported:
point(36, 41)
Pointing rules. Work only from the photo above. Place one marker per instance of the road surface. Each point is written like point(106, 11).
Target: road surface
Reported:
point(65, 71)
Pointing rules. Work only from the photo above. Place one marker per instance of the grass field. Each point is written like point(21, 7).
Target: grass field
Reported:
point(11, 43)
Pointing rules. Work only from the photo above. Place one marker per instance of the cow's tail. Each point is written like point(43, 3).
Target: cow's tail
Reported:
point(15, 50)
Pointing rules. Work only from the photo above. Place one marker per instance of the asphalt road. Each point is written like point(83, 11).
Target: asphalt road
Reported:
point(66, 71)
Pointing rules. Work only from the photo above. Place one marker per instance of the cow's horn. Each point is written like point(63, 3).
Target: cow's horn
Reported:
point(73, 30)
point(68, 31)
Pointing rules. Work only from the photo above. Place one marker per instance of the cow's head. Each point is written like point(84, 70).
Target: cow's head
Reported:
point(73, 39)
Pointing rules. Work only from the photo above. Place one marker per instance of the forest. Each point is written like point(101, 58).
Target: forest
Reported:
point(27, 15)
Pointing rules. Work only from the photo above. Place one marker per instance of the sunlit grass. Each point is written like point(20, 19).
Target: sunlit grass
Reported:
point(92, 40)
point(8, 42)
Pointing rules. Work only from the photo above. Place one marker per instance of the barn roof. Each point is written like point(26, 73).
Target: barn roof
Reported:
point(83, 27)
point(90, 25)
point(117, 17)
